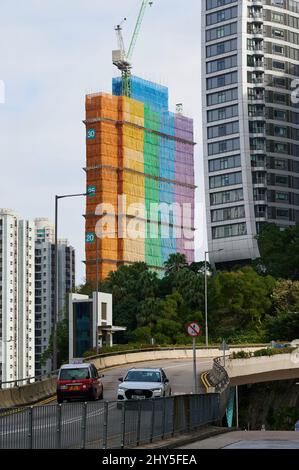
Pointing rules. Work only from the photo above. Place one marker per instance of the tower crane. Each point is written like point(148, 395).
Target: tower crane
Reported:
point(122, 59)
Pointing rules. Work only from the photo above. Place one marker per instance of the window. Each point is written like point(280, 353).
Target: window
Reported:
point(221, 64)
point(226, 197)
point(223, 130)
point(229, 213)
point(282, 197)
point(221, 32)
point(278, 65)
point(280, 131)
point(222, 48)
point(219, 164)
point(217, 3)
point(222, 97)
point(104, 310)
point(223, 113)
point(277, 18)
point(278, 49)
point(228, 179)
point(224, 146)
point(227, 231)
point(278, 33)
point(223, 15)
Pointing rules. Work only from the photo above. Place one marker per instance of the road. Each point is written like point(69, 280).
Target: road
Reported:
point(54, 427)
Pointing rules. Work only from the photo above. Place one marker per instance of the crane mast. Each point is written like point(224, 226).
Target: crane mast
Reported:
point(120, 58)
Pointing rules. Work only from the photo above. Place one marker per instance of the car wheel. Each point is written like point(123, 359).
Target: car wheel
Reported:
point(59, 400)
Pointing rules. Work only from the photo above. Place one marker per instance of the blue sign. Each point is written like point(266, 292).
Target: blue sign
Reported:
point(90, 237)
point(91, 190)
point(91, 134)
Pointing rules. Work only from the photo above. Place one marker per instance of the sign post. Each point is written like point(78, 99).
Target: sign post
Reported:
point(224, 347)
point(193, 330)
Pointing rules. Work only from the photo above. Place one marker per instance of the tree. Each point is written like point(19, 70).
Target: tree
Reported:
point(62, 344)
point(239, 302)
point(283, 323)
point(130, 286)
point(279, 250)
point(175, 262)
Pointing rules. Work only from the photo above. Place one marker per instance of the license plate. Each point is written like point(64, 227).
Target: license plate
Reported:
point(72, 389)
point(138, 397)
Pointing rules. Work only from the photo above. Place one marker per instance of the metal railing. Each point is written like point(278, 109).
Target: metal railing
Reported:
point(106, 425)
point(218, 377)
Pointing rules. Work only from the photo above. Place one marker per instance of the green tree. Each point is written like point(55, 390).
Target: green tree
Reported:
point(279, 250)
point(239, 302)
point(283, 322)
point(62, 344)
point(175, 262)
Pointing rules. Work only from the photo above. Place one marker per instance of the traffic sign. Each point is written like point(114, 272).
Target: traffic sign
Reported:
point(193, 329)
point(224, 346)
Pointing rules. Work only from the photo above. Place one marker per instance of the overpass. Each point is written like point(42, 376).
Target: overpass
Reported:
point(253, 370)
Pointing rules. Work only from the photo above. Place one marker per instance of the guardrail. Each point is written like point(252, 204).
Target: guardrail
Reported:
point(106, 425)
point(218, 376)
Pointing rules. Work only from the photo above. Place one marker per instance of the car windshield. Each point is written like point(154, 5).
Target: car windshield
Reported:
point(74, 374)
point(143, 376)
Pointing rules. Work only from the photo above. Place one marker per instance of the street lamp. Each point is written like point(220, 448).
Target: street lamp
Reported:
point(206, 295)
point(56, 284)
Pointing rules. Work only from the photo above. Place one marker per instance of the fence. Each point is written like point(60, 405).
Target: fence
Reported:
point(106, 425)
point(218, 376)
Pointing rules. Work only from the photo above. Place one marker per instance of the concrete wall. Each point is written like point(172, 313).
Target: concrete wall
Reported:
point(263, 369)
point(20, 396)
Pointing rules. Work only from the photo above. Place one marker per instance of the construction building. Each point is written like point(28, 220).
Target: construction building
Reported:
point(139, 150)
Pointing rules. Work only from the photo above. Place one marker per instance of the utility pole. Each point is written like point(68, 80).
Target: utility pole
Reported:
point(56, 280)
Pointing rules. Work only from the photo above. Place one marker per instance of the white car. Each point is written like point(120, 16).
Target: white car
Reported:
point(140, 384)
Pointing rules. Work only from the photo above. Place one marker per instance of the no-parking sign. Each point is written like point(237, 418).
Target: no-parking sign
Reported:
point(193, 329)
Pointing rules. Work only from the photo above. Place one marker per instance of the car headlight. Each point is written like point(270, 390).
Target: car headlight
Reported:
point(157, 391)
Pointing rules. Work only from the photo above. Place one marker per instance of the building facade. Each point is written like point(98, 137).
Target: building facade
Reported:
point(44, 286)
point(250, 122)
point(17, 303)
point(139, 156)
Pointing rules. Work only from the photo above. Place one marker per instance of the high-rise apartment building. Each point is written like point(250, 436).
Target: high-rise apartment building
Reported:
point(16, 297)
point(44, 286)
point(250, 121)
point(139, 156)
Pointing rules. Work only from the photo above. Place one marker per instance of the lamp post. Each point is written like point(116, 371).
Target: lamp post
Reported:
point(56, 283)
point(206, 295)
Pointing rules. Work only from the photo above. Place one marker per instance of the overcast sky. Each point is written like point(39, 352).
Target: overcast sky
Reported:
point(53, 52)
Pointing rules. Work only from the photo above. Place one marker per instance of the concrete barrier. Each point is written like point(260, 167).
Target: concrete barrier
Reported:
point(20, 396)
point(37, 391)
point(263, 368)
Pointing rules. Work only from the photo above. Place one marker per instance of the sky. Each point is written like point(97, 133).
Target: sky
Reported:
point(53, 52)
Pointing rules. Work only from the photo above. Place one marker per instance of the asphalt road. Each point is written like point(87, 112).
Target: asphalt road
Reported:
point(50, 426)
